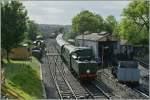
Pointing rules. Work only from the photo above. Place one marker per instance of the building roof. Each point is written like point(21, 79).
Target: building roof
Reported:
point(103, 36)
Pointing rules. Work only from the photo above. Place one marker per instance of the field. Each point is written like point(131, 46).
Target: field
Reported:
point(23, 79)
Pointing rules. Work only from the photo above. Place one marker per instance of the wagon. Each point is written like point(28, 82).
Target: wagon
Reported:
point(128, 72)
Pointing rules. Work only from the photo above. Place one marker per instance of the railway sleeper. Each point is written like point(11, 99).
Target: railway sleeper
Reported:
point(79, 96)
point(67, 95)
point(98, 97)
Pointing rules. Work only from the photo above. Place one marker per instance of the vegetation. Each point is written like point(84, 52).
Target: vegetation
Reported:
point(110, 24)
point(69, 35)
point(32, 30)
point(13, 20)
point(16, 26)
point(59, 30)
point(23, 79)
point(86, 21)
point(138, 12)
point(135, 25)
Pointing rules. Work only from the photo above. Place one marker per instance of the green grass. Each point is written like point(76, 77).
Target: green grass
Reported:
point(23, 78)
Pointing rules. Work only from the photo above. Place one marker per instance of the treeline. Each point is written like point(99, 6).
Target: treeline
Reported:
point(16, 26)
point(134, 25)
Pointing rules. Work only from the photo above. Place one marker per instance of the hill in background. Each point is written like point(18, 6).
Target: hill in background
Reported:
point(47, 29)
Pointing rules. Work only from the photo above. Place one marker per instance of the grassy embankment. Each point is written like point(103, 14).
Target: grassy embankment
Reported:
point(23, 79)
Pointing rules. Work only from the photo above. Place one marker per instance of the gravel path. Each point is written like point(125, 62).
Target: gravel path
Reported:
point(119, 90)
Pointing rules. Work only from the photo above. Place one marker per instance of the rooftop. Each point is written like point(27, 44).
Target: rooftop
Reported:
point(103, 36)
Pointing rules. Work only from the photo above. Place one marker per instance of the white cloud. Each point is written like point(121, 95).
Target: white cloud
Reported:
point(62, 12)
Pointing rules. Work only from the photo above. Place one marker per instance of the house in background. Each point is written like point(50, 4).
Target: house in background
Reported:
point(21, 53)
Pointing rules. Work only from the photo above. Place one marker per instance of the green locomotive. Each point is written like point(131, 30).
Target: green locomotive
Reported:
point(78, 59)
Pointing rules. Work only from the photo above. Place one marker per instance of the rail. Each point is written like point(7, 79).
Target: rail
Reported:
point(60, 86)
point(106, 94)
point(144, 64)
point(100, 94)
point(143, 94)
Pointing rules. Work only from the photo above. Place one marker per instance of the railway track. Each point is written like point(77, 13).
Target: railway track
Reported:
point(62, 83)
point(141, 93)
point(137, 89)
point(144, 64)
point(63, 87)
point(96, 92)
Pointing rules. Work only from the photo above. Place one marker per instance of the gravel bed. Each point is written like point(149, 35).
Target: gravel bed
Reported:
point(75, 84)
point(119, 90)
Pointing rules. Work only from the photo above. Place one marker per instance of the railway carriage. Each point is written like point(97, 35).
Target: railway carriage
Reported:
point(78, 59)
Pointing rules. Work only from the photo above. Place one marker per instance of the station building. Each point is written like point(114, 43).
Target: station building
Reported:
point(103, 44)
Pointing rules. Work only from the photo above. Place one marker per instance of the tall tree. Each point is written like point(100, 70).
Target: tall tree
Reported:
point(130, 32)
point(86, 21)
point(110, 24)
point(13, 20)
point(135, 23)
point(138, 12)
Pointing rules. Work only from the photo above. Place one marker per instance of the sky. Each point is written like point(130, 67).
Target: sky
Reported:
point(62, 12)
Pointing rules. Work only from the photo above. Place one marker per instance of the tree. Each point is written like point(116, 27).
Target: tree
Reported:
point(13, 19)
point(61, 29)
point(32, 30)
point(101, 23)
point(138, 12)
point(86, 21)
point(134, 25)
point(110, 24)
point(130, 32)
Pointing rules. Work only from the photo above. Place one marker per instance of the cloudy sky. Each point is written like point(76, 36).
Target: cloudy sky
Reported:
point(62, 12)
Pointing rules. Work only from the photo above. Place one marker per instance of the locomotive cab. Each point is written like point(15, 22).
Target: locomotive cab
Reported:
point(82, 54)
